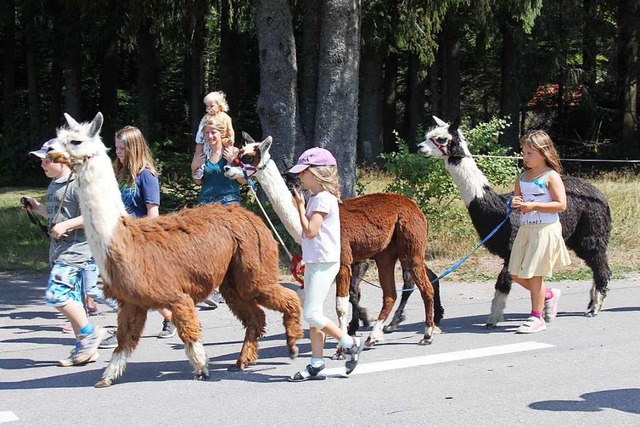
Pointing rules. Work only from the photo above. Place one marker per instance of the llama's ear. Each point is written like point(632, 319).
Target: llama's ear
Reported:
point(439, 121)
point(247, 138)
point(96, 125)
point(266, 144)
point(71, 121)
point(455, 124)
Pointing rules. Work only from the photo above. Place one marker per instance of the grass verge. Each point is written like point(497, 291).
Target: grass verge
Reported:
point(23, 247)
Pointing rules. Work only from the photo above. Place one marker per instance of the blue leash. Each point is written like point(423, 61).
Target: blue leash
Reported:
point(463, 260)
point(490, 235)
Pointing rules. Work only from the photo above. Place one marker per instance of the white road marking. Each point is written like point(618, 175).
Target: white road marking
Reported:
point(432, 359)
point(6, 416)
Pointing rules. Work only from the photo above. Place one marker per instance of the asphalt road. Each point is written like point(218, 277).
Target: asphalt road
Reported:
point(579, 372)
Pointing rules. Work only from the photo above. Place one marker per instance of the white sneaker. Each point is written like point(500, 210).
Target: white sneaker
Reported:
point(551, 306)
point(532, 325)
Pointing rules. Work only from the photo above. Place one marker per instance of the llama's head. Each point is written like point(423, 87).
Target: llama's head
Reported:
point(445, 141)
point(253, 157)
point(79, 141)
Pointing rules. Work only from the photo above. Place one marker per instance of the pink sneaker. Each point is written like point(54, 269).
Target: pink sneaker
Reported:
point(531, 326)
point(551, 305)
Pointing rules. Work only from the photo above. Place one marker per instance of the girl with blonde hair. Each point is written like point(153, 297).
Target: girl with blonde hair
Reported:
point(218, 119)
point(539, 197)
point(320, 219)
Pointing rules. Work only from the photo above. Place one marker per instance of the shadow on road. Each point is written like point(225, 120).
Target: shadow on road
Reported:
point(74, 377)
point(626, 400)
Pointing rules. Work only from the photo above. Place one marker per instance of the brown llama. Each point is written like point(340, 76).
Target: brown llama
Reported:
point(384, 227)
point(176, 260)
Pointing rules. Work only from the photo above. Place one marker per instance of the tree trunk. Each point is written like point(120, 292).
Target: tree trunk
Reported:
point(414, 107)
point(8, 10)
point(147, 78)
point(337, 109)
point(109, 70)
point(450, 77)
point(231, 56)
point(54, 46)
point(509, 99)
point(390, 98)
point(31, 58)
point(277, 102)
point(370, 110)
point(309, 67)
point(72, 61)
point(589, 46)
point(629, 20)
point(195, 84)
point(434, 84)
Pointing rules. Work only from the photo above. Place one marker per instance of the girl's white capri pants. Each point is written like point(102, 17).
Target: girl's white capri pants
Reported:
point(318, 278)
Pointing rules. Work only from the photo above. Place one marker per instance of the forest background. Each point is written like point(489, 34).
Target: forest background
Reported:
point(359, 78)
point(347, 75)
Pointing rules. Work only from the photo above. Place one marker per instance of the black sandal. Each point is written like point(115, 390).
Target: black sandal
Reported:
point(353, 354)
point(308, 373)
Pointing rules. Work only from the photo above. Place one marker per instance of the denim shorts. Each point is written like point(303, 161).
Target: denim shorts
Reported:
point(226, 200)
point(65, 283)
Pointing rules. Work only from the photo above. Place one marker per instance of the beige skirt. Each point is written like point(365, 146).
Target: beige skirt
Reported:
point(537, 249)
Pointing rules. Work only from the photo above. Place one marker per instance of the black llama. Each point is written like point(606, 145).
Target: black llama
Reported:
point(586, 223)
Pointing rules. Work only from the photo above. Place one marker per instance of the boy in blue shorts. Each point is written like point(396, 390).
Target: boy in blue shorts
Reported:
point(69, 255)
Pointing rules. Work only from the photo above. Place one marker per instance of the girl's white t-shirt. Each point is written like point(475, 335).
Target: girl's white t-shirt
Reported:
point(537, 190)
point(325, 247)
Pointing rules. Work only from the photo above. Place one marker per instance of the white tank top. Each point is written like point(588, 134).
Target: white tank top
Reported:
point(537, 191)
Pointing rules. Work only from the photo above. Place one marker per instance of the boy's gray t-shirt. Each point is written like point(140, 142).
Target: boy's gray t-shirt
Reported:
point(72, 249)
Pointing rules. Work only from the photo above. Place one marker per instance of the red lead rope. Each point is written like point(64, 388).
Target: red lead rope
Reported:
point(295, 261)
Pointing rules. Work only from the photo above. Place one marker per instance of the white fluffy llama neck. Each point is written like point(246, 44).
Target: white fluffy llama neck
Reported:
point(267, 173)
point(464, 171)
point(100, 200)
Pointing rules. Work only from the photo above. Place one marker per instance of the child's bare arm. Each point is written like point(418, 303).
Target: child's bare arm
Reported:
point(37, 207)
point(61, 228)
point(198, 158)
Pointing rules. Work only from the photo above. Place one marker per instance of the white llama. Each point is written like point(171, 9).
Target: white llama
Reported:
point(258, 163)
point(151, 263)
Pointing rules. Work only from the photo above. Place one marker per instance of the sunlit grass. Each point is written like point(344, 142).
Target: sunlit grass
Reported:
point(24, 248)
point(450, 242)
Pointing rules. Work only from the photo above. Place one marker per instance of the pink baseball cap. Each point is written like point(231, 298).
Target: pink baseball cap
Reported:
point(314, 157)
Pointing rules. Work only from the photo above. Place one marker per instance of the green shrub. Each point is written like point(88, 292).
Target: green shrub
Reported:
point(426, 181)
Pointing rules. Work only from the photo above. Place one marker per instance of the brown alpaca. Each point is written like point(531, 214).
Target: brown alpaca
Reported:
point(383, 227)
point(175, 260)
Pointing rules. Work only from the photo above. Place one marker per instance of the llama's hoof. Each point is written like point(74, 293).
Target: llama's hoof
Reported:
point(364, 318)
point(591, 313)
point(490, 325)
point(426, 341)
point(428, 336)
point(103, 383)
point(201, 376)
point(236, 368)
point(293, 352)
point(437, 330)
point(339, 354)
point(393, 326)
